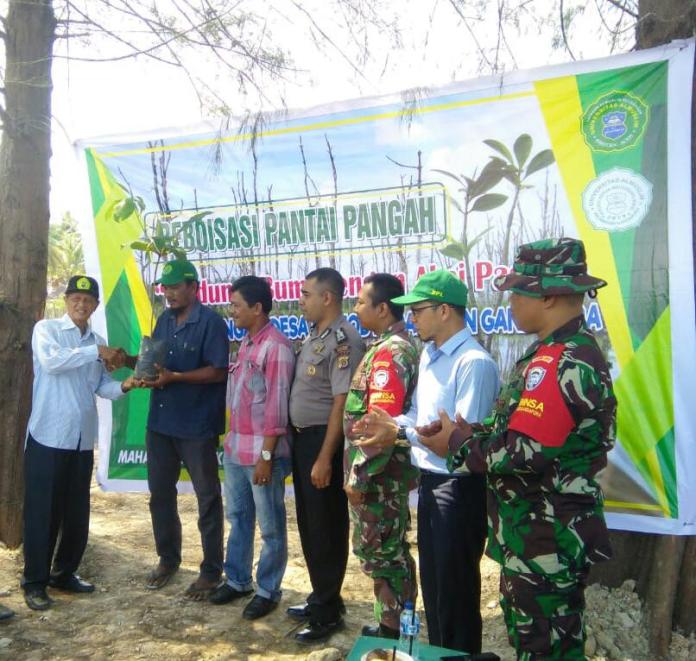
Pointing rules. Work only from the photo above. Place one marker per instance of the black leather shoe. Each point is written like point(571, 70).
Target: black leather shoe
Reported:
point(380, 631)
point(37, 599)
point(72, 583)
point(304, 611)
point(300, 611)
point(224, 593)
point(315, 632)
point(258, 607)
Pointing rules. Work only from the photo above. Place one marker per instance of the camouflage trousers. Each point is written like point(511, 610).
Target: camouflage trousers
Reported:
point(544, 614)
point(380, 525)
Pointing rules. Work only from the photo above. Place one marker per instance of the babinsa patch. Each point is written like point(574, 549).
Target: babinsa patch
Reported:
point(543, 415)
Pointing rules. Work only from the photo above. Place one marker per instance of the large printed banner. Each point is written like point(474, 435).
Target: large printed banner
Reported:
point(453, 179)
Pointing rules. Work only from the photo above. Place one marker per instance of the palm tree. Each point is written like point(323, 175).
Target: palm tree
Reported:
point(65, 258)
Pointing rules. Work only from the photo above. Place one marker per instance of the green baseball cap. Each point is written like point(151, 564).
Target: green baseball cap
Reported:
point(550, 267)
point(177, 271)
point(441, 286)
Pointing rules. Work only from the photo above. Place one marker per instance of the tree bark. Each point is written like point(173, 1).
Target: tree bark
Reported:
point(661, 21)
point(24, 213)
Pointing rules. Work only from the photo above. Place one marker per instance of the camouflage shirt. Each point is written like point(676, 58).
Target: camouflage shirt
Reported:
point(548, 437)
point(385, 377)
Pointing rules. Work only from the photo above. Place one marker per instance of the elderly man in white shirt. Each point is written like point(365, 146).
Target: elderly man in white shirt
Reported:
point(71, 364)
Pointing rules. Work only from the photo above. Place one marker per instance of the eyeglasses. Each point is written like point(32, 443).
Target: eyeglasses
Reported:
point(416, 311)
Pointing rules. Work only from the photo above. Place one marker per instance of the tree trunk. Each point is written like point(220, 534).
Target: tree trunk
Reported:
point(24, 212)
point(661, 21)
point(663, 566)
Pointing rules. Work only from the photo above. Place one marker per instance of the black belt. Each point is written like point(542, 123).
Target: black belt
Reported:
point(299, 430)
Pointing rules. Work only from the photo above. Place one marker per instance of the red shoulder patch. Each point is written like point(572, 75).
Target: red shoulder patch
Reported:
point(542, 412)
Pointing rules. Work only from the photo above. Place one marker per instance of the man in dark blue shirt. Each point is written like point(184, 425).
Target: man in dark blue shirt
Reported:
point(187, 414)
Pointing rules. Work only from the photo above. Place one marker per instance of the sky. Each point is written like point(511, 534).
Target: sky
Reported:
point(435, 46)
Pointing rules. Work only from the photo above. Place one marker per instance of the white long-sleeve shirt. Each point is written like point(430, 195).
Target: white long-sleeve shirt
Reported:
point(67, 375)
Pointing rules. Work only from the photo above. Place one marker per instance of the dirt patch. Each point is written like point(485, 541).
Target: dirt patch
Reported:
point(123, 620)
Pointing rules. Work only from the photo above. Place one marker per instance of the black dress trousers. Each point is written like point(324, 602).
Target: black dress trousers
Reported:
point(56, 504)
point(322, 520)
point(452, 530)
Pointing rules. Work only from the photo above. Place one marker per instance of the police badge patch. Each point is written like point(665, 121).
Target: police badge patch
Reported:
point(342, 356)
point(534, 377)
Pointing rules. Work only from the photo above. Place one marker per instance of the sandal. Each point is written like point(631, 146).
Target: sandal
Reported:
point(159, 577)
point(201, 589)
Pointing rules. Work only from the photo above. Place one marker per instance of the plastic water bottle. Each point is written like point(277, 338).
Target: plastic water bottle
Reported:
point(409, 628)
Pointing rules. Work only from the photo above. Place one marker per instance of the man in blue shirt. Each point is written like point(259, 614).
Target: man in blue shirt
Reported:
point(187, 415)
point(458, 376)
point(70, 368)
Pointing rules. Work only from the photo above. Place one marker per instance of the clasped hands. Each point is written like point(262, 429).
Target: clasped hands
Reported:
point(164, 377)
point(378, 429)
point(114, 358)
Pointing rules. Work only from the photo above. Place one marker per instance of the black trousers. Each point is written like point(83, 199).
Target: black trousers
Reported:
point(322, 520)
point(165, 455)
point(452, 531)
point(56, 502)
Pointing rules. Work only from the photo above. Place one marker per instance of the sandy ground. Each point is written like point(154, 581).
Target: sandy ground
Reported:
point(122, 620)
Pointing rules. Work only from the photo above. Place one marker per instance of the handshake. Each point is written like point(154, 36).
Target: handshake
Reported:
point(113, 357)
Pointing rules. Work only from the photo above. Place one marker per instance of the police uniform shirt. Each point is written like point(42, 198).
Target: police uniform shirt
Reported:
point(324, 369)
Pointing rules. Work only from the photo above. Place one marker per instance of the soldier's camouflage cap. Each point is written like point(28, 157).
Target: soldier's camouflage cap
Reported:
point(551, 267)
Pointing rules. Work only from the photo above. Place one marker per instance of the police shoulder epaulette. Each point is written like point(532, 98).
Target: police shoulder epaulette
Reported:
point(341, 335)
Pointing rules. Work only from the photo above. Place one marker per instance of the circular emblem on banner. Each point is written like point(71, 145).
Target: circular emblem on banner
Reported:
point(615, 121)
point(534, 377)
point(380, 378)
point(617, 200)
point(83, 283)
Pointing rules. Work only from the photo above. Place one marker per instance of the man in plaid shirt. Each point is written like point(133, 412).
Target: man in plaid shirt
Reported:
point(257, 451)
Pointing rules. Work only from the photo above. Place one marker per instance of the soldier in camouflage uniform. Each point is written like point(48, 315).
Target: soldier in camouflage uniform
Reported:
point(378, 482)
point(541, 449)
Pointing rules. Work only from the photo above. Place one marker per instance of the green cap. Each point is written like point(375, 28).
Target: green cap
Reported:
point(551, 267)
point(177, 271)
point(441, 286)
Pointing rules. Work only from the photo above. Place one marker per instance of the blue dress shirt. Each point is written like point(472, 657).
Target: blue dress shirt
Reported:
point(191, 410)
point(459, 377)
point(67, 374)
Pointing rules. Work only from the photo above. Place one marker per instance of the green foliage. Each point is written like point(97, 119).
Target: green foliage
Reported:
point(154, 244)
point(540, 161)
point(512, 167)
point(488, 202)
point(477, 197)
point(65, 259)
point(460, 250)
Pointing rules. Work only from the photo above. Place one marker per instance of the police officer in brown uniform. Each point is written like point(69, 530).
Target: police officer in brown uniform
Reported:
point(323, 372)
